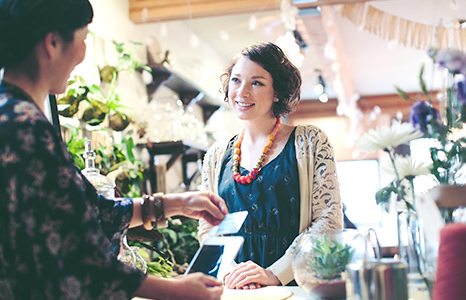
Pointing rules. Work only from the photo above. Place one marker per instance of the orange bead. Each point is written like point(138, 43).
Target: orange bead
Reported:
point(237, 156)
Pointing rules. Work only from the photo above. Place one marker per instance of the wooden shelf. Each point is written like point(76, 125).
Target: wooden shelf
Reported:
point(187, 151)
point(188, 91)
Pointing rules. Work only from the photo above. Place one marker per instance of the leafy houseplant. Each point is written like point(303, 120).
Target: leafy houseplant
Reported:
point(320, 259)
point(180, 242)
point(103, 101)
point(331, 257)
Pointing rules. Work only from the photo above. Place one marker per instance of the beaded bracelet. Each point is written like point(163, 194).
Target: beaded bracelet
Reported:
point(159, 211)
point(145, 213)
point(158, 215)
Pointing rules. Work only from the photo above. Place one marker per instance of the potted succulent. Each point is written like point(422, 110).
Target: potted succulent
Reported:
point(320, 260)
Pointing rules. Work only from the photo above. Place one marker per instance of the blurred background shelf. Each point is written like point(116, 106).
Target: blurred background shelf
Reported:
point(188, 91)
point(188, 152)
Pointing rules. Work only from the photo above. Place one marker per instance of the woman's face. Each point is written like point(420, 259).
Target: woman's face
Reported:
point(250, 90)
point(72, 54)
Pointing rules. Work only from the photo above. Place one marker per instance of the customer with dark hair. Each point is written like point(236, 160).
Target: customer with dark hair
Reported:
point(55, 230)
point(284, 175)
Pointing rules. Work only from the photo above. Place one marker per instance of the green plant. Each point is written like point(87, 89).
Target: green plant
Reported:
point(103, 101)
point(76, 146)
point(161, 267)
point(121, 160)
point(118, 158)
point(330, 257)
point(157, 265)
point(180, 241)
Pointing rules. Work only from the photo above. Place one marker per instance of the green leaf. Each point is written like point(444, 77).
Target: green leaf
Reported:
point(383, 195)
point(330, 257)
point(402, 94)
point(422, 83)
point(129, 149)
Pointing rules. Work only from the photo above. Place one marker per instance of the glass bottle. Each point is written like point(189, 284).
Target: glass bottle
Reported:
point(127, 255)
point(104, 185)
point(140, 263)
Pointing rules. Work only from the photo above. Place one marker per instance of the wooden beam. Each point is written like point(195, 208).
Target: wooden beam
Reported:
point(328, 2)
point(142, 11)
point(389, 104)
point(315, 109)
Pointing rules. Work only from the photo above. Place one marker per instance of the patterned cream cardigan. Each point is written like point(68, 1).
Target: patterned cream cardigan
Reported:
point(321, 207)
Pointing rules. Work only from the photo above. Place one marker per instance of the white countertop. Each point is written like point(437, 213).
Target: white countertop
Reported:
point(266, 293)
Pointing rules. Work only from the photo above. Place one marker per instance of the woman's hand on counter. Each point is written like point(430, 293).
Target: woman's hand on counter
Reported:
point(249, 275)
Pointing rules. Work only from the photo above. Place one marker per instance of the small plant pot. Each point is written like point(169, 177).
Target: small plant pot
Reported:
point(320, 260)
point(332, 289)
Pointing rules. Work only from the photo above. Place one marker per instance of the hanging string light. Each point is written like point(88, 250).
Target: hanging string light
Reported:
point(319, 88)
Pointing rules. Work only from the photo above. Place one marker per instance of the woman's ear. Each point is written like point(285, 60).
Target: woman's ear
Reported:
point(52, 44)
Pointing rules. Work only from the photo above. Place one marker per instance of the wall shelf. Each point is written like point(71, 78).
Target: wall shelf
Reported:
point(188, 91)
point(187, 151)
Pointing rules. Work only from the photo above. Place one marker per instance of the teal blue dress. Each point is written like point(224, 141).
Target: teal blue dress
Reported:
point(273, 203)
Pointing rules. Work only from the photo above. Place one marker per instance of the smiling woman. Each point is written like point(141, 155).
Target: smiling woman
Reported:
point(284, 176)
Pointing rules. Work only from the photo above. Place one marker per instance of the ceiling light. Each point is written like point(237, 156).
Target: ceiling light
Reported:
point(323, 98)
point(318, 89)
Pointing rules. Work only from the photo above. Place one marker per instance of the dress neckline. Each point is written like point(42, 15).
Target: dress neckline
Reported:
point(290, 139)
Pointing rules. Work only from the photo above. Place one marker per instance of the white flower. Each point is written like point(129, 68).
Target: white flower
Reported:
point(386, 138)
point(406, 167)
point(456, 134)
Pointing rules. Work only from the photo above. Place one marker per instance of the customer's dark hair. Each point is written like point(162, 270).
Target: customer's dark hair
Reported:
point(23, 23)
point(286, 77)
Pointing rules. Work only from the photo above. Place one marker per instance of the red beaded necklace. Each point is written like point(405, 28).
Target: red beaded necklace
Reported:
point(237, 156)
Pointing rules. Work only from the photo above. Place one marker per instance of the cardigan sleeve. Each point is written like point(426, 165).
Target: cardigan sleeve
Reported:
point(320, 195)
point(208, 184)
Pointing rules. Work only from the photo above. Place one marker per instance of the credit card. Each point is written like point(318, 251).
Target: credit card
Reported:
point(230, 224)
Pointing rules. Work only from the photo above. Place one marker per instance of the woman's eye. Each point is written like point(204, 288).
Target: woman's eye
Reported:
point(234, 79)
point(257, 83)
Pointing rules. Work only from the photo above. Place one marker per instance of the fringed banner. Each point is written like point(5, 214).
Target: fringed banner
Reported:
point(405, 32)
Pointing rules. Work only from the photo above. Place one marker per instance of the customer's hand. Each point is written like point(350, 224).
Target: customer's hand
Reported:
point(249, 275)
point(196, 205)
point(197, 286)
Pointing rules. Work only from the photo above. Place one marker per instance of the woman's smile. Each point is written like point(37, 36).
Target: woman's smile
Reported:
point(244, 104)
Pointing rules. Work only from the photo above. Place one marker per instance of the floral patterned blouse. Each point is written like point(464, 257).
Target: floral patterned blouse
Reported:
point(55, 232)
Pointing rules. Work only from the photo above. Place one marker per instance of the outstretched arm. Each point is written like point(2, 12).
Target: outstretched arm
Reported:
point(192, 287)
